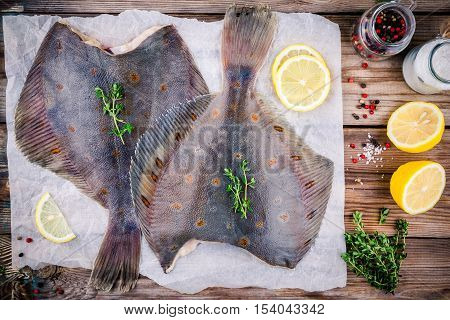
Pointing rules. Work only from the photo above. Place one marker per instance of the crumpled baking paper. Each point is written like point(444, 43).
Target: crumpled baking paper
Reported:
point(211, 264)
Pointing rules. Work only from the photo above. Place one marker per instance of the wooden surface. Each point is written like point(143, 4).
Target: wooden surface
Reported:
point(426, 271)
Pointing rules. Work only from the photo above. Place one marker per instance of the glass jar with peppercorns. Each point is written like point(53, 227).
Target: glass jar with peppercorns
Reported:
point(384, 30)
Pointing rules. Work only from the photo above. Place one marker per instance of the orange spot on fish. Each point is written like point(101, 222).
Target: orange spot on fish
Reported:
point(103, 191)
point(284, 217)
point(163, 87)
point(296, 158)
point(178, 136)
point(193, 116)
point(236, 84)
point(259, 224)
point(238, 155)
point(244, 242)
point(134, 77)
point(215, 113)
point(93, 72)
point(272, 162)
point(154, 177)
point(188, 178)
point(254, 117)
point(71, 129)
point(116, 153)
point(56, 151)
point(59, 86)
point(215, 182)
point(200, 223)
point(176, 206)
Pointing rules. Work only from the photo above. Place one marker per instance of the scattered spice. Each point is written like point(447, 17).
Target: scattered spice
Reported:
point(59, 291)
point(19, 238)
point(383, 215)
point(371, 111)
point(363, 85)
point(350, 80)
point(387, 145)
point(20, 255)
point(364, 65)
point(364, 95)
point(355, 116)
point(352, 145)
point(365, 116)
point(354, 160)
point(29, 240)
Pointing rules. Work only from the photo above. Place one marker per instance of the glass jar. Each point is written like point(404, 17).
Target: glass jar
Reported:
point(384, 30)
point(426, 68)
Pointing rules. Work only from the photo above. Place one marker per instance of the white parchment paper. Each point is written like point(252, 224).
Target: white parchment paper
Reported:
point(210, 264)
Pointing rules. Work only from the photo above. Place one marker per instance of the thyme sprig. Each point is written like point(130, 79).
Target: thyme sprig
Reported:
point(239, 187)
point(113, 108)
point(376, 256)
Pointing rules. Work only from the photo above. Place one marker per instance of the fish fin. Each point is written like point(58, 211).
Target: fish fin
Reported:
point(34, 134)
point(118, 259)
point(246, 39)
point(314, 171)
point(153, 151)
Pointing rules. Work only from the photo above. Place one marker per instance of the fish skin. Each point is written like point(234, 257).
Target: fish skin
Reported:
point(60, 126)
point(186, 199)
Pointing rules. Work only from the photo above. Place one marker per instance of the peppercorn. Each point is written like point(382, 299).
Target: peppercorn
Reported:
point(20, 255)
point(362, 156)
point(354, 160)
point(363, 85)
point(377, 101)
point(364, 65)
point(29, 240)
point(19, 238)
point(388, 145)
point(355, 116)
point(371, 111)
point(352, 145)
point(366, 106)
point(35, 291)
point(365, 116)
point(350, 80)
point(364, 95)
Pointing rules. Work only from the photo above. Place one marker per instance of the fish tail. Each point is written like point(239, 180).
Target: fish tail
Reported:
point(246, 39)
point(118, 259)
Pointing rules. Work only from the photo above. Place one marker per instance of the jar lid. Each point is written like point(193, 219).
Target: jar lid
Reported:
point(440, 61)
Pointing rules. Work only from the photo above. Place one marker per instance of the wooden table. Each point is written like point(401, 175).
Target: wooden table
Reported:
point(426, 271)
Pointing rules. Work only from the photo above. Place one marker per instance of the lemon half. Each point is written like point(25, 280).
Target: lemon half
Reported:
point(302, 82)
point(417, 186)
point(416, 126)
point(51, 222)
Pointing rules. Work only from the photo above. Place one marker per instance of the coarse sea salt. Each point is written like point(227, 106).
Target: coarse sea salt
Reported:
point(371, 150)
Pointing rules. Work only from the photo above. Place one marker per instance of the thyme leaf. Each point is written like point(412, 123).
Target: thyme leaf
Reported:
point(376, 256)
point(384, 212)
point(239, 187)
point(113, 108)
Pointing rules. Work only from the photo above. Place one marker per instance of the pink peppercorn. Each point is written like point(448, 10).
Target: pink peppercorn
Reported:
point(371, 112)
point(29, 240)
point(350, 80)
point(388, 145)
point(364, 95)
point(354, 160)
point(365, 116)
point(362, 156)
point(364, 65)
point(352, 145)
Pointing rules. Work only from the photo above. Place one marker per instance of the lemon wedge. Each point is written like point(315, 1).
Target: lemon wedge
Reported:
point(292, 51)
point(418, 185)
point(302, 82)
point(416, 126)
point(51, 222)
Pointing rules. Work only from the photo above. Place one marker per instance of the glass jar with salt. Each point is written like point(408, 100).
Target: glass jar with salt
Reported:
point(426, 68)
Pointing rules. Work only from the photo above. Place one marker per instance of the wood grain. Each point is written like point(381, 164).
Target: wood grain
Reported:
point(204, 6)
point(425, 275)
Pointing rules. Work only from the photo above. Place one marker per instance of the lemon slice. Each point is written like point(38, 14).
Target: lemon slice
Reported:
point(292, 51)
point(418, 185)
point(302, 83)
point(416, 126)
point(50, 221)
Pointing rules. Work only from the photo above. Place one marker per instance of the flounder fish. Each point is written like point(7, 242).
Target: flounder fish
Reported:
point(178, 176)
point(59, 124)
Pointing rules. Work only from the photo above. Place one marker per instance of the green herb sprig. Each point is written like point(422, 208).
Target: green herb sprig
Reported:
point(384, 212)
point(113, 108)
point(376, 256)
point(238, 189)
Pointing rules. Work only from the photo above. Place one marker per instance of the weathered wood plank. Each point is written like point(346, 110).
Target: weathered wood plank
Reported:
point(425, 275)
point(384, 79)
point(204, 6)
